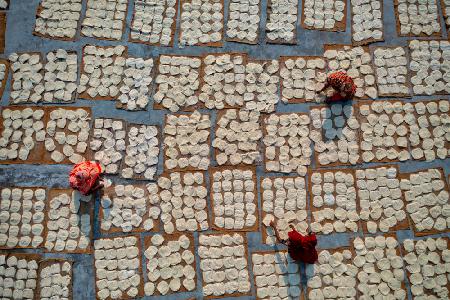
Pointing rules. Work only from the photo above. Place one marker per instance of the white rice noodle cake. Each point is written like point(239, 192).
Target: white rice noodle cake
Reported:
point(58, 19)
point(102, 72)
point(108, 143)
point(367, 21)
point(22, 134)
point(381, 206)
point(142, 151)
point(27, 77)
point(130, 208)
point(380, 267)
point(284, 202)
point(105, 19)
point(276, 274)
point(22, 217)
point(287, 143)
point(170, 264)
point(334, 131)
point(19, 275)
point(177, 82)
point(429, 62)
point(332, 276)
point(445, 6)
point(417, 18)
point(391, 69)
point(154, 22)
point(243, 21)
point(67, 135)
point(426, 263)
point(69, 222)
point(4, 71)
point(324, 15)
point(186, 141)
point(183, 201)
point(55, 279)
point(61, 74)
point(261, 82)
point(135, 89)
point(224, 266)
point(281, 23)
point(234, 198)
point(119, 256)
point(201, 23)
point(224, 80)
point(333, 201)
point(384, 131)
point(301, 78)
point(357, 63)
point(237, 137)
point(430, 130)
point(427, 201)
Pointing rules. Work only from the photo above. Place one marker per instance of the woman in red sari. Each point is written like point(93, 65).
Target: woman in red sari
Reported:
point(300, 247)
point(343, 86)
point(85, 177)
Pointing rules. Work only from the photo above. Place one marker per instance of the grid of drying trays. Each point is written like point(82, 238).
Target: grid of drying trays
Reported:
point(237, 141)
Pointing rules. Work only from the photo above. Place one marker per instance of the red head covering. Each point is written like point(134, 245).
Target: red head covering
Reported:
point(84, 176)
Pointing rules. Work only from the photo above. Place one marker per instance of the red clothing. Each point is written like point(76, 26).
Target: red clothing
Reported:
point(335, 98)
point(341, 83)
point(84, 176)
point(302, 248)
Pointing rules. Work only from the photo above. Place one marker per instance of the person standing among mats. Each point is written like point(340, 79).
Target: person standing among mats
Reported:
point(86, 177)
point(343, 86)
point(300, 247)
